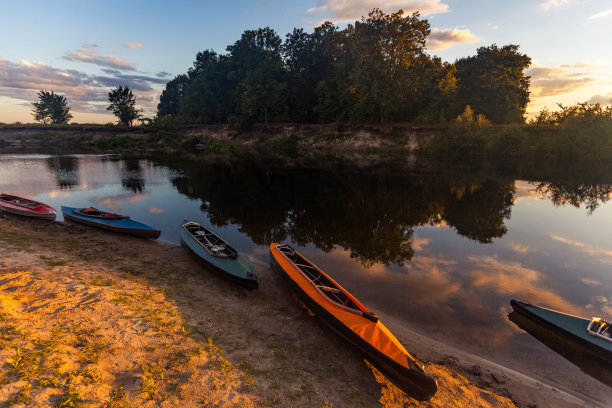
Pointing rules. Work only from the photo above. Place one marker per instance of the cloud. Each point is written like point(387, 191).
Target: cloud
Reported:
point(548, 4)
point(135, 46)
point(603, 14)
point(518, 247)
point(442, 39)
point(560, 79)
point(590, 282)
point(512, 279)
point(85, 92)
point(589, 249)
point(88, 55)
point(341, 11)
point(601, 99)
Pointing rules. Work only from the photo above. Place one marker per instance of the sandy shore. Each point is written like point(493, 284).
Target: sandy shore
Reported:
point(92, 319)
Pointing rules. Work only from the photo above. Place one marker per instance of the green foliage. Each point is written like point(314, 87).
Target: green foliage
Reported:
point(493, 82)
point(117, 143)
point(123, 105)
point(583, 114)
point(51, 108)
point(375, 70)
point(286, 145)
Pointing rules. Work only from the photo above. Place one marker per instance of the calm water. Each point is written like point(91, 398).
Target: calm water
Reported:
point(442, 254)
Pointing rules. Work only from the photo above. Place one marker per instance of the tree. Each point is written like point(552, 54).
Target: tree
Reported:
point(51, 108)
point(169, 99)
point(123, 105)
point(493, 83)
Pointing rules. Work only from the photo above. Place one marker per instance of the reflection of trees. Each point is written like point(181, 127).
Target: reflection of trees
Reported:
point(477, 211)
point(65, 169)
point(561, 193)
point(131, 176)
point(370, 215)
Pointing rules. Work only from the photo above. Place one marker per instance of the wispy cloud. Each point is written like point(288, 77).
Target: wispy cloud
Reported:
point(601, 99)
point(512, 279)
point(548, 4)
point(560, 79)
point(89, 55)
point(588, 248)
point(341, 11)
point(603, 14)
point(22, 80)
point(446, 38)
point(135, 46)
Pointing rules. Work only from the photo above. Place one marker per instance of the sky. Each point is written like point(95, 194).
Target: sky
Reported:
point(82, 49)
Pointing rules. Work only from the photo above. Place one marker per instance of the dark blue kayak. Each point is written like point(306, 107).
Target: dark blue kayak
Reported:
point(217, 255)
point(109, 221)
point(573, 328)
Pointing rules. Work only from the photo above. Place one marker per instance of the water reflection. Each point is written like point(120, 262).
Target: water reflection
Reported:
point(439, 253)
point(65, 169)
point(132, 178)
point(370, 215)
point(576, 194)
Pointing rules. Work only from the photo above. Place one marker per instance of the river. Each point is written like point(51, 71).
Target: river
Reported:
point(443, 253)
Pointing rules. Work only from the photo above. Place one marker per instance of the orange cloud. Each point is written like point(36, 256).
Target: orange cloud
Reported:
point(134, 46)
point(510, 278)
point(589, 249)
point(155, 210)
point(446, 38)
point(560, 79)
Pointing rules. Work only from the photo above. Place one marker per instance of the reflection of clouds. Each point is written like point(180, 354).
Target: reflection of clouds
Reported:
point(59, 193)
point(115, 202)
point(510, 279)
point(525, 189)
point(522, 249)
point(590, 282)
point(419, 243)
point(589, 249)
point(431, 275)
point(156, 210)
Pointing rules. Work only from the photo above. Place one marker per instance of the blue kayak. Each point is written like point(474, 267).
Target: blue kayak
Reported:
point(109, 221)
point(217, 255)
point(576, 329)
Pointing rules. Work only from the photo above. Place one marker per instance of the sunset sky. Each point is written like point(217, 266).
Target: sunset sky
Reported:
point(82, 49)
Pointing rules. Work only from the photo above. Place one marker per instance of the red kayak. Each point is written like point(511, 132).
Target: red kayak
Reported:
point(24, 206)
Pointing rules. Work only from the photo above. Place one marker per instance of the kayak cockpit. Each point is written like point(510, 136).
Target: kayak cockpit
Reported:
point(212, 243)
point(95, 213)
point(324, 284)
point(21, 202)
point(600, 328)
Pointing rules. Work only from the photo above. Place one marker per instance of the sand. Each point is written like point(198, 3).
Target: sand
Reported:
point(95, 319)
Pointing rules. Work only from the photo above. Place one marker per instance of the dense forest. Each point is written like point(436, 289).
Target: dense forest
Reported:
point(376, 70)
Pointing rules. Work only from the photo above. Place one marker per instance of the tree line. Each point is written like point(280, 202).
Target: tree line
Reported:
point(376, 70)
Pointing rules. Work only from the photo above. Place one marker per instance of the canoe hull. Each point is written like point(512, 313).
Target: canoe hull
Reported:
point(414, 382)
point(43, 212)
point(129, 227)
point(239, 270)
point(570, 327)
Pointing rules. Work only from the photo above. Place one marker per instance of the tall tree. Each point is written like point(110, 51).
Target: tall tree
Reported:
point(169, 98)
point(256, 62)
point(123, 105)
point(388, 57)
point(493, 82)
point(51, 108)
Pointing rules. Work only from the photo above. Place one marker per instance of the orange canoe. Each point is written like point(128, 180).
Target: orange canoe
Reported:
point(340, 311)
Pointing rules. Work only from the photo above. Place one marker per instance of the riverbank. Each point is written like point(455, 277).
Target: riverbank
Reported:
point(100, 318)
